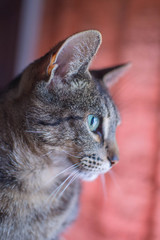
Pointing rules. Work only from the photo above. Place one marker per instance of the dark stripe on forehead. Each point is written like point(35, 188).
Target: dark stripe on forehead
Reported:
point(60, 120)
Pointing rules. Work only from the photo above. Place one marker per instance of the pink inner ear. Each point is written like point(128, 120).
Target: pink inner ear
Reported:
point(51, 65)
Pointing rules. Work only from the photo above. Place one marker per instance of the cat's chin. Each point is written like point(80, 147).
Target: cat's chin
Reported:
point(89, 176)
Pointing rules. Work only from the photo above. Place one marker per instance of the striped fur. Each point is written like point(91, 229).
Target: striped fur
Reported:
point(46, 146)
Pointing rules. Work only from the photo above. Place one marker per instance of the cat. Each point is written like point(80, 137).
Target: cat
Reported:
point(57, 127)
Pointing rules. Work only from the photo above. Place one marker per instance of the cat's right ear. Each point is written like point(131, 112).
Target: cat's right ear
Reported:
point(109, 76)
point(73, 56)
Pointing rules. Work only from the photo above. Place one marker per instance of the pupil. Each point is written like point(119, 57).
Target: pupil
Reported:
point(92, 120)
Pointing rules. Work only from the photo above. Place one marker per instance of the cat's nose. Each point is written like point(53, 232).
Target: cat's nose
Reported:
point(112, 152)
point(113, 159)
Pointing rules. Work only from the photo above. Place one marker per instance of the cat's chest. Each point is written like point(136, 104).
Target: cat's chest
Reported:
point(37, 219)
point(57, 214)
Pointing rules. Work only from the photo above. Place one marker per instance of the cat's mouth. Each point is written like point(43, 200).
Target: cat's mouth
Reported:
point(90, 175)
point(92, 168)
point(89, 167)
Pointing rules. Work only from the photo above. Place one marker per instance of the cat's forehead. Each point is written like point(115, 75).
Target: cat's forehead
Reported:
point(89, 97)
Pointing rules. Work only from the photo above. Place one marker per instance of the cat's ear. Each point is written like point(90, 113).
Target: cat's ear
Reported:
point(111, 75)
point(74, 55)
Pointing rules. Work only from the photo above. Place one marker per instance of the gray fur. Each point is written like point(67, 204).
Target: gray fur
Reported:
point(45, 141)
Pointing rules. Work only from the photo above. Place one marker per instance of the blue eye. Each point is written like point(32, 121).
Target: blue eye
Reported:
point(93, 123)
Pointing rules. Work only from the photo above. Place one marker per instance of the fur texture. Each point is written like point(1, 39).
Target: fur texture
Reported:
point(46, 145)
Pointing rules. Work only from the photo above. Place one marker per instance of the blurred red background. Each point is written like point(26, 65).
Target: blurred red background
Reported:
point(130, 210)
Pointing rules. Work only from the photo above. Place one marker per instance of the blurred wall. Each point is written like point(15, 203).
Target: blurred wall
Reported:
point(131, 32)
point(9, 21)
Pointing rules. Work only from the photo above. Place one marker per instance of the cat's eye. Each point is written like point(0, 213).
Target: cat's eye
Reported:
point(93, 122)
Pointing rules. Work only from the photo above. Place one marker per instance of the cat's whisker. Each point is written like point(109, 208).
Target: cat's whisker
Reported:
point(70, 154)
point(74, 166)
point(103, 181)
point(30, 131)
point(69, 183)
point(64, 150)
point(56, 191)
point(38, 171)
point(67, 147)
point(113, 177)
point(48, 153)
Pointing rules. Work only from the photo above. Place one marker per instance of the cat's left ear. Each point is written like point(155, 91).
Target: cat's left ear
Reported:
point(74, 55)
point(111, 75)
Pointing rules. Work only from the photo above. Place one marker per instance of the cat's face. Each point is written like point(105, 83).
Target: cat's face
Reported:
point(82, 121)
point(70, 108)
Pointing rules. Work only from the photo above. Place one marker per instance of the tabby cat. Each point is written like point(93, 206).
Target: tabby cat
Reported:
point(57, 127)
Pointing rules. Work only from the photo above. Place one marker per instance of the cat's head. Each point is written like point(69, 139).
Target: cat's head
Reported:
point(69, 106)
